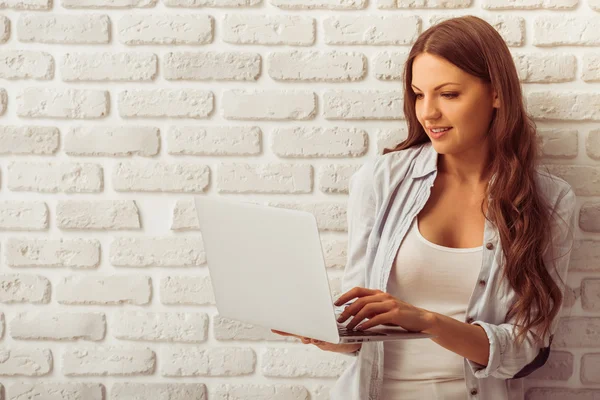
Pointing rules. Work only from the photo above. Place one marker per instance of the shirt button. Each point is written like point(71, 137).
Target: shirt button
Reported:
point(489, 246)
point(473, 392)
point(482, 283)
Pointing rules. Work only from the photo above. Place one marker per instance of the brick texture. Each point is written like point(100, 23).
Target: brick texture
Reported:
point(117, 113)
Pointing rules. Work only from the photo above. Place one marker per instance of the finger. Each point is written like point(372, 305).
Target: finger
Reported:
point(281, 332)
point(360, 303)
point(369, 311)
point(377, 320)
point(352, 293)
point(285, 333)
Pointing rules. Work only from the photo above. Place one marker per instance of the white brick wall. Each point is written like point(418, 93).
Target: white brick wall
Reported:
point(114, 112)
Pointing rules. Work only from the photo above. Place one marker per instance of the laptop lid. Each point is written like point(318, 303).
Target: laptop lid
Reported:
point(266, 267)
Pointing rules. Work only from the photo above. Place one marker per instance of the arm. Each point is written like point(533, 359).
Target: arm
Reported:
point(467, 340)
point(491, 349)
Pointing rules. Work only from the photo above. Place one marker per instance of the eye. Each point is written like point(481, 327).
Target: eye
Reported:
point(450, 95)
point(446, 95)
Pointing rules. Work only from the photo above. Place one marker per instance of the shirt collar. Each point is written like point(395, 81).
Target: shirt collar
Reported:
point(426, 161)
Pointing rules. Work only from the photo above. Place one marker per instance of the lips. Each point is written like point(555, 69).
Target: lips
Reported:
point(437, 135)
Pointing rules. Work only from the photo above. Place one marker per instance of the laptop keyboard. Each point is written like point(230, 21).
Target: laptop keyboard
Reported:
point(345, 332)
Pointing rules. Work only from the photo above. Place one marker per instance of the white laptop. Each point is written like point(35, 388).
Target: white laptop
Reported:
point(267, 268)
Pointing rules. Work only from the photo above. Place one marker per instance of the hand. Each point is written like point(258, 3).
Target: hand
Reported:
point(382, 309)
point(337, 348)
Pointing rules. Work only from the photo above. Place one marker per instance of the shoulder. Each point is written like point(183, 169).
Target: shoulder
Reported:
point(401, 158)
point(385, 168)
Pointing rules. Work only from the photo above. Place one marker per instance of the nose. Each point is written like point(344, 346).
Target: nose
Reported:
point(429, 110)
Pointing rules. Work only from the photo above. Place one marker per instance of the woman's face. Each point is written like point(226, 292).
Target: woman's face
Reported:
point(465, 104)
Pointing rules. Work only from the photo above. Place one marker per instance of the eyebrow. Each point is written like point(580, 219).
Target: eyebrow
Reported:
point(437, 87)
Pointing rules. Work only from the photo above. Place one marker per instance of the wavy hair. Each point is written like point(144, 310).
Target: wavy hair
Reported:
point(516, 207)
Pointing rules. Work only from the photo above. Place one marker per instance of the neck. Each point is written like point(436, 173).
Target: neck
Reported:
point(469, 167)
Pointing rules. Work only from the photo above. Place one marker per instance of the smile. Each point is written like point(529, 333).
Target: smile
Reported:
point(438, 134)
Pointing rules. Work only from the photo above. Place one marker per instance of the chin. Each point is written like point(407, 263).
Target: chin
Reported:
point(439, 146)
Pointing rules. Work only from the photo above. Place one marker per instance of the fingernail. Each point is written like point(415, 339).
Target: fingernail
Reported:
point(359, 328)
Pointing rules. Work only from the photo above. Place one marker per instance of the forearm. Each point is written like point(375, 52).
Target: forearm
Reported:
point(466, 340)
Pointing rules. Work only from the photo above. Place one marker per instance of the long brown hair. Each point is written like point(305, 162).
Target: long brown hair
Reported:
point(516, 207)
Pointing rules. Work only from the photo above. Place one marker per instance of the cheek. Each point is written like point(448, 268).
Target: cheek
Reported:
point(418, 112)
point(479, 105)
point(460, 112)
point(481, 113)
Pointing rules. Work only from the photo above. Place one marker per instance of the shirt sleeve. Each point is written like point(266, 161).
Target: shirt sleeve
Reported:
point(506, 360)
point(360, 218)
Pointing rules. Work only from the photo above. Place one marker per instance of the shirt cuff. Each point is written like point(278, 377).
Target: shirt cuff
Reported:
point(481, 371)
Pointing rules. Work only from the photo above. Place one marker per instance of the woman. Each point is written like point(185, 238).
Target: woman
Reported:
point(458, 231)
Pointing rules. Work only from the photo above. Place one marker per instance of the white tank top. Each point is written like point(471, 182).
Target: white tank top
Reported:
point(439, 279)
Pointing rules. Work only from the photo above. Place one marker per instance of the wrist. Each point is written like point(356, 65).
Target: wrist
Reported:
point(352, 348)
point(431, 322)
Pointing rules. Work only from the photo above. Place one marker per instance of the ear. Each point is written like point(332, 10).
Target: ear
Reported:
point(496, 103)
